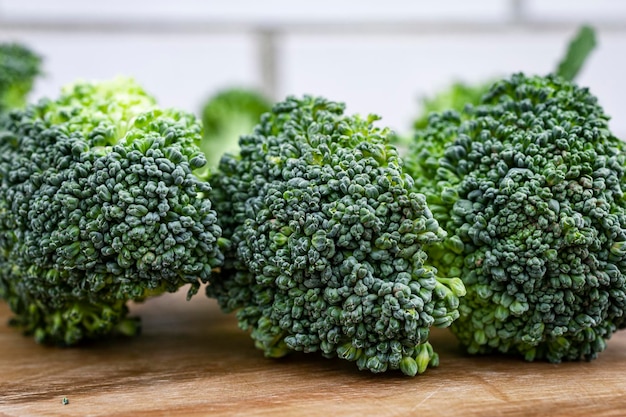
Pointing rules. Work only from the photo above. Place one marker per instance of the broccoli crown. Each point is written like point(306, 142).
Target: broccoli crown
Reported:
point(228, 115)
point(529, 185)
point(455, 97)
point(98, 205)
point(18, 68)
point(326, 242)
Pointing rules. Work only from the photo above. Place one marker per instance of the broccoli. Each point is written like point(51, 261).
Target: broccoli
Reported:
point(98, 206)
point(326, 242)
point(18, 68)
point(530, 186)
point(226, 116)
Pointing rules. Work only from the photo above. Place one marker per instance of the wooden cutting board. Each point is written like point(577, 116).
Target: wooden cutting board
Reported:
point(191, 360)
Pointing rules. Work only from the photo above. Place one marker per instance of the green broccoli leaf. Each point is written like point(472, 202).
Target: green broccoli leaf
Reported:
point(577, 53)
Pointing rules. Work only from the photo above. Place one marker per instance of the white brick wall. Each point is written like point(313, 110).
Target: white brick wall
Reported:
point(377, 56)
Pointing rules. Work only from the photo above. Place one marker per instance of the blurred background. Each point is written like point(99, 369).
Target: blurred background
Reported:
point(377, 56)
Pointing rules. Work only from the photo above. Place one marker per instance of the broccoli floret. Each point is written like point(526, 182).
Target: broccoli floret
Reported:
point(226, 116)
point(19, 66)
point(326, 242)
point(530, 186)
point(98, 206)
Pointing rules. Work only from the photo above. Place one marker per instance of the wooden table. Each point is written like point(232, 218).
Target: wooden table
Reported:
point(191, 360)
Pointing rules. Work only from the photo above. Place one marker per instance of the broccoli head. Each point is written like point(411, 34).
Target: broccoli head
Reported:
point(226, 116)
point(530, 186)
point(18, 68)
point(98, 206)
point(326, 242)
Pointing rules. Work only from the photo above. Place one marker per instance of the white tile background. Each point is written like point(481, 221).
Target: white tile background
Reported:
point(377, 56)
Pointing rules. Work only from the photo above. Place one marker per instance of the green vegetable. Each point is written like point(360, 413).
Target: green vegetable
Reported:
point(18, 68)
point(226, 116)
point(98, 206)
point(326, 242)
point(530, 186)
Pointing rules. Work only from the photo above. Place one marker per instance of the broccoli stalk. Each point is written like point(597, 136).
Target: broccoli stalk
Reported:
point(327, 242)
point(19, 66)
point(98, 206)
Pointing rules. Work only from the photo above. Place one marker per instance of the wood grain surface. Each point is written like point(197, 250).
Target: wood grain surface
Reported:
point(191, 360)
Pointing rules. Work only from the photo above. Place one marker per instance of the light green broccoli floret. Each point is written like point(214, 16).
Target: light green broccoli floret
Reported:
point(530, 186)
point(455, 97)
point(327, 242)
point(226, 116)
point(19, 66)
point(98, 206)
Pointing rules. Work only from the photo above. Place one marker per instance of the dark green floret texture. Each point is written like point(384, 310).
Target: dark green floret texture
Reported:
point(327, 242)
point(530, 187)
point(19, 66)
point(99, 205)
